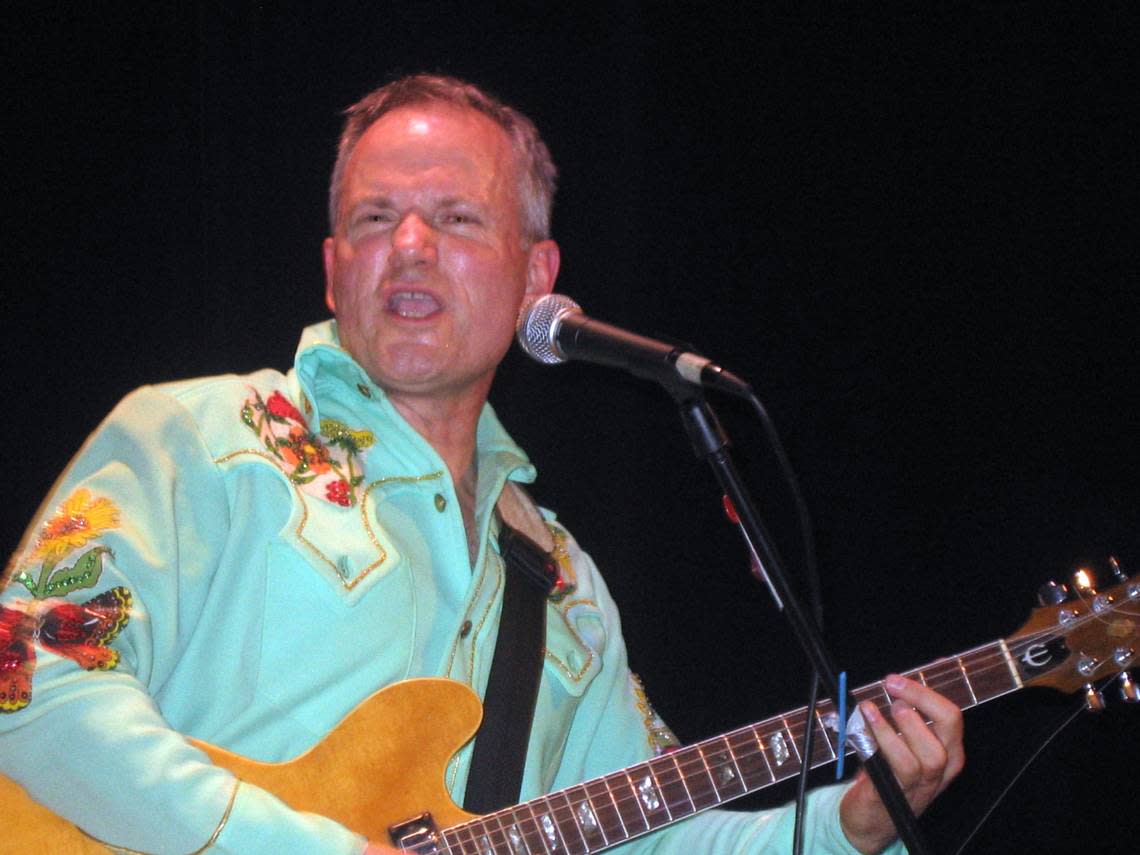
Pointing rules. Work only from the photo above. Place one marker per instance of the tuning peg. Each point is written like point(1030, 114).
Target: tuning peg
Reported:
point(1094, 700)
point(1129, 691)
point(1084, 581)
point(1117, 573)
point(1052, 594)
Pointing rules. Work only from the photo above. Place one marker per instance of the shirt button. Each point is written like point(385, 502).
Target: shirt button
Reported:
point(440, 502)
point(465, 629)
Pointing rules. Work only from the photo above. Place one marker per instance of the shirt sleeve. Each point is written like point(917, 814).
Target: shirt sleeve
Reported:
point(97, 609)
point(615, 727)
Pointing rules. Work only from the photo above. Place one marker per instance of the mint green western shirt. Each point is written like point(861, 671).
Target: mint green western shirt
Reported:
point(264, 553)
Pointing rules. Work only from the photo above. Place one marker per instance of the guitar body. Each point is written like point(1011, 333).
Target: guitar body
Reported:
point(382, 764)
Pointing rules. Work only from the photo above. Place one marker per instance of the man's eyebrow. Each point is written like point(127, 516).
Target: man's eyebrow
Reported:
point(380, 200)
point(460, 200)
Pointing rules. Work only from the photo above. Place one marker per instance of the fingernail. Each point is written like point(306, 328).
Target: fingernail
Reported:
point(870, 712)
point(895, 683)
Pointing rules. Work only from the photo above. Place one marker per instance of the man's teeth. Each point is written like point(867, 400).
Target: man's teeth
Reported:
point(413, 304)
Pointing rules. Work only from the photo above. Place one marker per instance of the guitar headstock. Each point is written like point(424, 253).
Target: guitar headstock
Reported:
point(1085, 636)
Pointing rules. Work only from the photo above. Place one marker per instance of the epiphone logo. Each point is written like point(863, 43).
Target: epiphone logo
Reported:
point(1036, 655)
point(1043, 654)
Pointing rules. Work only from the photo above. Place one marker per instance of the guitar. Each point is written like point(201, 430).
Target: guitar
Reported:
point(390, 764)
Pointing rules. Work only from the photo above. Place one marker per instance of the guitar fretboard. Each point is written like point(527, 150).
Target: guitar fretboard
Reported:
point(603, 812)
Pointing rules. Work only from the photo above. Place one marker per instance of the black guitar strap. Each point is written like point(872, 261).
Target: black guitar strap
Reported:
point(512, 686)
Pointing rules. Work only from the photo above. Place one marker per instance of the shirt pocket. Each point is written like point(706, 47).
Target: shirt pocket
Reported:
point(575, 641)
point(323, 650)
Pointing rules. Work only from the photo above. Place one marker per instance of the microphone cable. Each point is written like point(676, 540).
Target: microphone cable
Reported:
point(1067, 719)
point(815, 601)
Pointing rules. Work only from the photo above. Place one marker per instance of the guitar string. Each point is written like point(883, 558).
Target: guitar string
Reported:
point(936, 674)
point(794, 722)
point(939, 675)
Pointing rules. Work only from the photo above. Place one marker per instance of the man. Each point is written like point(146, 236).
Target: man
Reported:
point(245, 559)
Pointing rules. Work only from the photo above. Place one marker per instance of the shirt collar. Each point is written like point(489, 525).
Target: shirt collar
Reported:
point(330, 383)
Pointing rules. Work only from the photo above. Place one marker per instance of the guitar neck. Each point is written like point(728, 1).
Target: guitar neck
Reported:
point(601, 813)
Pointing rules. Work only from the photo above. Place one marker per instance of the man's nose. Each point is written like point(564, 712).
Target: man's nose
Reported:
point(414, 239)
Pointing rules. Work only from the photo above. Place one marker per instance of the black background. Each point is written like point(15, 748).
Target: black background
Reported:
point(911, 228)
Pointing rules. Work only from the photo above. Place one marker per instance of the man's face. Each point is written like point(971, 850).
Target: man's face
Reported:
point(427, 268)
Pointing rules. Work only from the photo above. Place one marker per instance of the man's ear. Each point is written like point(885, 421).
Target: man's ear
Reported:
point(543, 261)
point(328, 251)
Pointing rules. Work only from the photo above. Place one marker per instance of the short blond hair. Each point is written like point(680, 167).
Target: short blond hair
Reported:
point(537, 174)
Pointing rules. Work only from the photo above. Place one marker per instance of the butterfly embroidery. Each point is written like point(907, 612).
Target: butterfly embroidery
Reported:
point(81, 632)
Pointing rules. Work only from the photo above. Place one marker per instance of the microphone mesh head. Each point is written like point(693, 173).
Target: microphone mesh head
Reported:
point(538, 323)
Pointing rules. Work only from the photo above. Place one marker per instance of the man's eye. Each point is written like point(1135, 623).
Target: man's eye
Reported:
point(460, 219)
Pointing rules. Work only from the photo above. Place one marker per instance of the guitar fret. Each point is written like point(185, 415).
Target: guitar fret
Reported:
point(605, 807)
point(698, 777)
point(758, 738)
point(444, 839)
point(966, 680)
point(497, 833)
point(565, 818)
point(637, 801)
point(606, 811)
point(586, 819)
point(672, 786)
point(686, 780)
point(544, 833)
point(625, 800)
point(824, 734)
point(523, 835)
point(652, 796)
point(987, 678)
point(882, 687)
point(722, 769)
point(456, 843)
point(553, 831)
point(776, 747)
point(1012, 666)
point(792, 738)
point(479, 838)
point(749, 760)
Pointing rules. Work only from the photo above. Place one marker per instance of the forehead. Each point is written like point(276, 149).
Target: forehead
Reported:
point(431, 141)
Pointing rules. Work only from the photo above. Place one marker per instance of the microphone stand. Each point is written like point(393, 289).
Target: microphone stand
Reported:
point(710, 441)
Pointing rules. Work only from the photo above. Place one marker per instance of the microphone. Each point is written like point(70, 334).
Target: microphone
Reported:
point(553, 329)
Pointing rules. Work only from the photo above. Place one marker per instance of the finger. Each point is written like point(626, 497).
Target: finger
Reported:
point(923, 742)
point(892, 746)
point(944, 716)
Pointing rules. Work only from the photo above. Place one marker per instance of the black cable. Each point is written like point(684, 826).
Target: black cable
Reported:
point(801, 779)
point(1068, 719)
point(815, 599)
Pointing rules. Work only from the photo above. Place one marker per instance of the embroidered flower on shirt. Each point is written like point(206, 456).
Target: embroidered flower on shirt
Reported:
point(325, 465)
point(80, 632)
point(338, 492)
point(305, 453)
point(281, 407)
point(80, 519)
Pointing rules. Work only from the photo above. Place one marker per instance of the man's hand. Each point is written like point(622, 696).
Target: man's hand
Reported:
point(923, 758)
